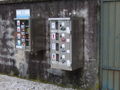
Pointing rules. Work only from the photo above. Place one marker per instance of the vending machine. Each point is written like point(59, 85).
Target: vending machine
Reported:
point(66, 43)
point(23, 29)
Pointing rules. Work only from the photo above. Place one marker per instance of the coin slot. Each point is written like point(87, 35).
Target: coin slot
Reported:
point(57, 36)
point(57, 57)
point(56, 24)
point(57, 46)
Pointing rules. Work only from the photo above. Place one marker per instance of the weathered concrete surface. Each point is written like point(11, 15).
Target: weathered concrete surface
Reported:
point(13, 83)
point(36, 64)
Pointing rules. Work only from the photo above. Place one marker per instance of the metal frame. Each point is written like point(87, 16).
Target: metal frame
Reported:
point(59, 19)
point(100, 52)
point(111, 68)
point(21, 18)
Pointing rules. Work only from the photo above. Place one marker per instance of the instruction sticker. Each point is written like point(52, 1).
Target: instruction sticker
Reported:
point(63, 45)
point(63, 35)
point(67, 29)
point(53, 25)
point(53, 46)
point(63, 23)
point(68, 51)
point(68, 40)
point(63, 56)
point(68, 63)
point(53, 56)
point(22, 13)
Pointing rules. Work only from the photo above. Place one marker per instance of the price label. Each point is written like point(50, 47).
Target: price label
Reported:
point(54, 56)
point(53, 46)
point(53, 25)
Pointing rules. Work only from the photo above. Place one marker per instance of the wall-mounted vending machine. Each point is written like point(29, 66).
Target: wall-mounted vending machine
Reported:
point(30, 32)
point(66, 43)
point(23, 29)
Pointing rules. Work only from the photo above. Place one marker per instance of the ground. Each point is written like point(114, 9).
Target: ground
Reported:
point(13, 83)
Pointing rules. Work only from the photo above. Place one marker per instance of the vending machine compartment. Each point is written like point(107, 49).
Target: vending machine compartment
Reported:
point(23, 33)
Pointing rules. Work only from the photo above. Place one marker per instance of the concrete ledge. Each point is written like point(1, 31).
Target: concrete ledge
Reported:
point(20, 1)
point(24, 1)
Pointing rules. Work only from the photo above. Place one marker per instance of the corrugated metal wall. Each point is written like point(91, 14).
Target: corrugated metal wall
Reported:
point(110, 46)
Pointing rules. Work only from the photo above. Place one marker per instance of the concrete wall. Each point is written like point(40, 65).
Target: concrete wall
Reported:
point(37, 64)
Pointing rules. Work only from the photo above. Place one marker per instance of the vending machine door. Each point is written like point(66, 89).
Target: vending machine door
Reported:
point(38, 34)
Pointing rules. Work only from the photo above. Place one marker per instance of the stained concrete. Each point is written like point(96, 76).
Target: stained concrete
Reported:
point(36, 64)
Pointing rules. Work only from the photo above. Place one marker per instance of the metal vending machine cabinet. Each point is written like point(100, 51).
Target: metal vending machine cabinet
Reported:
point(22, 21)
point(66, 43)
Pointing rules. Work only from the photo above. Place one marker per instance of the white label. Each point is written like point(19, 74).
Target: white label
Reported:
point(18, 46)
point(53, 25)
point(54, 56)
point(68, 51)
point(63, 45)
point(63, 35)
point(68, 40)
point(23, 13)
point(53, 46)
point(63, 56)
point(68, 63)
point(67, 29)
point(63, 23)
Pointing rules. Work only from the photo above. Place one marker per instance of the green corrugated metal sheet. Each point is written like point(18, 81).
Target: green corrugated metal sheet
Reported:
point(110, 45)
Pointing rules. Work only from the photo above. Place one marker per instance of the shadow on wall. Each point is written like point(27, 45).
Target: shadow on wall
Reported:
point(36, 64)
point(39, 64)
point(7, 48)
